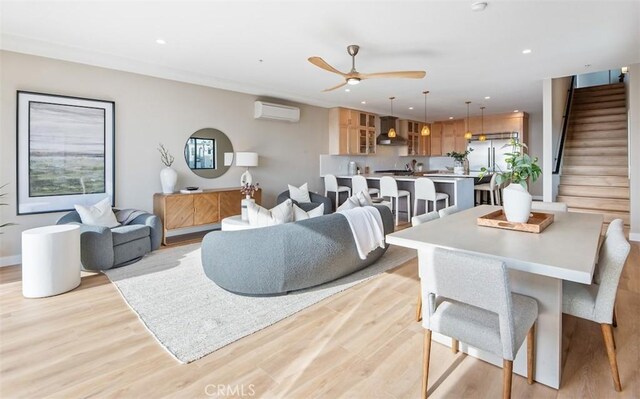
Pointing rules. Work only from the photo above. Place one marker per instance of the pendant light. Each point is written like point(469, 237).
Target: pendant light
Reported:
point(468, 135)
point(482, 136)
point(425, 129)
point(392, 131)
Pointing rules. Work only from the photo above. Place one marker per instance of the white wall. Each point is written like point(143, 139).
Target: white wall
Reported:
point(149, 111)
point(535, 149)
point(633, 107)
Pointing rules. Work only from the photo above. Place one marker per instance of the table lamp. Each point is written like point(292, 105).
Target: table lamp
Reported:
point(246, 159)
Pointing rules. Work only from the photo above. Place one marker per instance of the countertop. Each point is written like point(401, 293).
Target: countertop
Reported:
point(437, 176)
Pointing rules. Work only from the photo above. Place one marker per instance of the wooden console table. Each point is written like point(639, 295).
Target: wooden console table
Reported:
point(179, 210)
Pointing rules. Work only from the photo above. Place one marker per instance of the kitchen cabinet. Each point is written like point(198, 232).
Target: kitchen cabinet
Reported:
point(351, 132)
point(502, 123)
point(436, 139)
point(410, 130)
point(461, 143)
point(448, 137)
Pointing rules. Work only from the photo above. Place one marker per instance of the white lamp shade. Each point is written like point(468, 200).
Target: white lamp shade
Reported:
point(246, 159)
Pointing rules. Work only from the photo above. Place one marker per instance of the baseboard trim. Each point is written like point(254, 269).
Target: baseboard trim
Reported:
point(634, 237)
point(537, 197)
point(10, 260)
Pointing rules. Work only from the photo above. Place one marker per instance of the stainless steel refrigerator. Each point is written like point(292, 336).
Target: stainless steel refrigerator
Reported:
point(490, 153)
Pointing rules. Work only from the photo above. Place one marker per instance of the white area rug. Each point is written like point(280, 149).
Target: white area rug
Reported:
point(191, 316)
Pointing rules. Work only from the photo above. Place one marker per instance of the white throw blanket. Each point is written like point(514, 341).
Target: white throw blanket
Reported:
point(367, 228)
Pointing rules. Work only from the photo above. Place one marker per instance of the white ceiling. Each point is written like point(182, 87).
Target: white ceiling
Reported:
point(467, 55)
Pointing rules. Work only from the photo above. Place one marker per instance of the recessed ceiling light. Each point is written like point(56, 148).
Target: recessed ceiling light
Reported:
point(410, 107)
point(526, 51)
point(516, 110)
point(160, 41)
point(479, 6)
point(347, 90)
point(451, 117)
point(487, 98)
point(363, 102)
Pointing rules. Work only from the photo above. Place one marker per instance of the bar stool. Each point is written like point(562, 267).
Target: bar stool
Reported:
point(425, 190)
point(389, 188)
point(359, 183)
point(492, 187)
point(331, 184)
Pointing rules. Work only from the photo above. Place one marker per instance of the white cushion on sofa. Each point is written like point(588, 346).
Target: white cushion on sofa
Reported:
point(357, 200)
point(301, 214)
point(299, 194)
point(99, 214)
point(262, 217)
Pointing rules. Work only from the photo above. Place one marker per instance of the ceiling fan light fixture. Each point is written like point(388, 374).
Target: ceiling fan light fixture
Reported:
point(353, 81)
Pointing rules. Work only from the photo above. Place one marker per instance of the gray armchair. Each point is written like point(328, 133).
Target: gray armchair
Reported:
point(316, 200)
point(102, 248)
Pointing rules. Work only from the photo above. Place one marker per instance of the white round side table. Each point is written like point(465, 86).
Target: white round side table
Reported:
point(50, 260)
point(233, 223)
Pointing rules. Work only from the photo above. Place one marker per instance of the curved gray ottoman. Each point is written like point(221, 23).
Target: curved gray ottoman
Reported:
point(278, 259)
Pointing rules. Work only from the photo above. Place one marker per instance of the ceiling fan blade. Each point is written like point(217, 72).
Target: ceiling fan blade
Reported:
point(336, 87)
point(320, 63)
point(397, 74)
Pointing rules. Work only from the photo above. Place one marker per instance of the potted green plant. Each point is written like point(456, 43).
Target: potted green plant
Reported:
point(2, 203)
point(460, 161)
point(520, 168)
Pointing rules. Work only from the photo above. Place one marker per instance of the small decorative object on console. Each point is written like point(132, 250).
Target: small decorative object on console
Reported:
point(460, 161)
point(248, 190)
point(168, 176)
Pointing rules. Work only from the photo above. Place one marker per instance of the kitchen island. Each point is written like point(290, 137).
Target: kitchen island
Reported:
point(459, 187)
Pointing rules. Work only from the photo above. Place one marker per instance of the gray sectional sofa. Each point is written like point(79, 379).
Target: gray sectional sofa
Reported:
point(278, 259)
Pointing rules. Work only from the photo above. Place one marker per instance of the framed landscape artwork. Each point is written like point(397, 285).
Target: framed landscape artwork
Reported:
point(65, 152)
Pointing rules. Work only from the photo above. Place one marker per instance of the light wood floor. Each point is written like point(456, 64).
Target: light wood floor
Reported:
point(362, 343)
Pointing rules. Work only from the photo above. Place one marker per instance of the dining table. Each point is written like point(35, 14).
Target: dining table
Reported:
point(538, 263)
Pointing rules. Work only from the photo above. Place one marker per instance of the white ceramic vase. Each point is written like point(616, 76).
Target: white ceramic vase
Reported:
point(244, 203)
point(517, 203)
point(168, 179)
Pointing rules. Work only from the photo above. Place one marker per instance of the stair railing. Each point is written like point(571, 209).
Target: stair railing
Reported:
point(565, 126)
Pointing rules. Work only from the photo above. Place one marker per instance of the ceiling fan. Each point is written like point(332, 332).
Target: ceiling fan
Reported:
point(354, 77)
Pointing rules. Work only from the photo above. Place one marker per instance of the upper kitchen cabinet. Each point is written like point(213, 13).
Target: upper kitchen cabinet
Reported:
point(351, 132)
point(461, 143)
point(436, 138)
point(410, 130)
point(502, 123)
point(448, 137)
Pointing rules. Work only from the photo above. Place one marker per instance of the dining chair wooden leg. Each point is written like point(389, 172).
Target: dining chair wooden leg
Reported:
point(507, 375)
point(419, 308)
point(531, 353)
point(607, 333)
point(615, 317)
point(425, 362)
point(454, 345)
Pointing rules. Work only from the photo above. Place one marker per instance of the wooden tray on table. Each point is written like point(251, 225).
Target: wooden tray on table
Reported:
point(537, 222)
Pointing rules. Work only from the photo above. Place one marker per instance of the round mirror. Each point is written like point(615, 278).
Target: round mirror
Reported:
point(204, 153)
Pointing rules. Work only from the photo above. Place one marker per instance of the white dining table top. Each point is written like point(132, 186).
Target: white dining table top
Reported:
point(566, 249)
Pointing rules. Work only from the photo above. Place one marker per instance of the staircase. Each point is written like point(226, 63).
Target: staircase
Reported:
point(595, 166)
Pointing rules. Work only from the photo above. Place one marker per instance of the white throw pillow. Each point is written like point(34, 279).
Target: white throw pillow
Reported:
point(364, 198)
point(350, 203)
point(99, 214)
point(301, 214)
point(299, 194)
point(262, 217)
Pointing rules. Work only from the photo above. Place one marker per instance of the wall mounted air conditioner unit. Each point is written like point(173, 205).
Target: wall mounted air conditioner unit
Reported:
point(263, 110)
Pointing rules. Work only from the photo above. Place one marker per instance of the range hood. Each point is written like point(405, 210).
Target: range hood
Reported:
point(386, 123)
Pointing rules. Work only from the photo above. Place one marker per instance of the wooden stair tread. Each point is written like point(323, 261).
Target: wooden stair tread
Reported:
point(611, 160)
point(599, 87)
point(598, 99)
point(597, 135)
point(594, 191)
point(599, 105)
point(603, 111)
point(595, 170)
point(596, 142)
point(596, 151)
point(586, 180)
point(581, 119)
point(598, 126)
point(600, 93)
point(608, 204)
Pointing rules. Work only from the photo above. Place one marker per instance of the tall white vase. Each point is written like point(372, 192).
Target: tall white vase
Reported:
point(243, 207)
point(517, 203)
point(168, 179)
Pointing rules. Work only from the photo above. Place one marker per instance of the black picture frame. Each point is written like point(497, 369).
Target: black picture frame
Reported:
point(65, 152)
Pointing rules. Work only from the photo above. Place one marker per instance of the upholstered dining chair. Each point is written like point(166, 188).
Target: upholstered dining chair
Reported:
point(331, 185)
point(450, 210)
point(425, 190)
point(389, 188)
point(416, 221)
point(596, 302)
point(492, 188)
point(359, 183)
point(479, 310)
point(549, 206)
